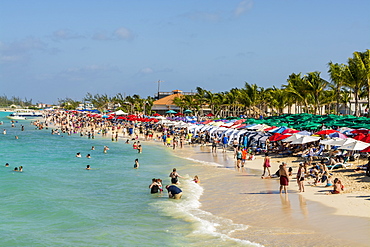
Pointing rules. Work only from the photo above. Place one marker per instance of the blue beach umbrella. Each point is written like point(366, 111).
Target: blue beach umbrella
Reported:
point(171, 111)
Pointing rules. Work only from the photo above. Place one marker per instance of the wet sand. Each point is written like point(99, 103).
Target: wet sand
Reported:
point(273, 219)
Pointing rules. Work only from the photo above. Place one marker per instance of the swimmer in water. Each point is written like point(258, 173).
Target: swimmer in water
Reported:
point(16, 169)
point(78, 155)
point(174, 176)
point(92, 148)
point(6, 164)
point(196, 179)
point(20, 169)
point(88, 167)
point(88, 156)
point(136, 165)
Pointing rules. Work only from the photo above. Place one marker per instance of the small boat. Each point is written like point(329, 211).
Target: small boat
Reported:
point(22, 114)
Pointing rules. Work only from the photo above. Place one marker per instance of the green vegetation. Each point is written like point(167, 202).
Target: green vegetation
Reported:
point(15, 101)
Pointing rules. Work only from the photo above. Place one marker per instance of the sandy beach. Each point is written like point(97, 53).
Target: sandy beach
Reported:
point(311, 218)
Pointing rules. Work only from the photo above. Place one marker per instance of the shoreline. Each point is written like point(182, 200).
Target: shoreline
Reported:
point(314, 193)
point(239, 190)
point(224, 184)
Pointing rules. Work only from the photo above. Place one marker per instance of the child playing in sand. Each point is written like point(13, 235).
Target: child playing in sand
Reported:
point(338, 187)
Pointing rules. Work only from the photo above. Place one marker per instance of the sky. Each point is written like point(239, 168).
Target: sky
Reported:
point(52, 50)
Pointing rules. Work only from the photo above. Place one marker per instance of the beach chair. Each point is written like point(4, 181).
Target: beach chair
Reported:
point(344, 164)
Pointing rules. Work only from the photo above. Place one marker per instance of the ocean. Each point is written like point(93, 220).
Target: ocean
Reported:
point(55, 201)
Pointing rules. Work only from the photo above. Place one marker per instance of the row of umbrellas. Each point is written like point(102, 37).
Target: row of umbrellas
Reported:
point(357, 144)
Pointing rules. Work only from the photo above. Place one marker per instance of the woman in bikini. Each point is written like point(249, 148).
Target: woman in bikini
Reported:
point(266, 165)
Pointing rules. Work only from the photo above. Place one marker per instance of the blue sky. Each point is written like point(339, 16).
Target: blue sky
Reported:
point(51, 50)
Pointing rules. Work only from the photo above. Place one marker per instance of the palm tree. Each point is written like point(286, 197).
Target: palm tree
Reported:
point(278, 99)
point(315, 87)
point(336, 72)
point(362, 60)
point(353, 79)
point(297, 88)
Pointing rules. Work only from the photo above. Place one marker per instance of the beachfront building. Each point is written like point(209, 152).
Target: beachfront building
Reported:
point(165, 100)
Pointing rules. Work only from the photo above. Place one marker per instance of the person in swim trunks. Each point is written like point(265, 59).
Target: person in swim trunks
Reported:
point(174, 192)
point(174, 176)
point(284, 178)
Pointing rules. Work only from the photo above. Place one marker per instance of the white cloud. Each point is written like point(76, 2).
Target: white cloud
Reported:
point(65, 34)
point(123, 34)
point(146, 71)
point(20, 50)
point(101, 36)
point(243, 7)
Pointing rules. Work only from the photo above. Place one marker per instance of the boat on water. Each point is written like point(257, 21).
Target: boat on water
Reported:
point(22, 114)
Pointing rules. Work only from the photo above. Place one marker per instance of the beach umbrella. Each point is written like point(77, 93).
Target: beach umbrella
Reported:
point(188, 111)
point(210, 115)
point(362, 131)
point(338, 135)
point(305, 139)
point(279, 130)
point(289, 130)
point(326, 132)
point(359, 136)
point(365, 139)
point(179, 114)
point(156, 115)
point(171, 112)
point(340, 142)
point(270, 128)
point(355, 146)
point(305, 133)
point(328, 141)
point(292, 137)
point(120, 112)
point(278, 137)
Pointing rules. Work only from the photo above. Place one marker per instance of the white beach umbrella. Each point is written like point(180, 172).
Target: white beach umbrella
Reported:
point(305, 139)
point(256, 127)
point(330, 140)
point(341, 142)
point(356, 145)
point(120, 112)
point(292, 138)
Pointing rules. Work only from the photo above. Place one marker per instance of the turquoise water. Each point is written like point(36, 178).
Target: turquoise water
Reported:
point(55, 201)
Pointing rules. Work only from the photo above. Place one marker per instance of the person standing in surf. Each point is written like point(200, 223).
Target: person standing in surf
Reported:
point(266, 165)
point(174, 176)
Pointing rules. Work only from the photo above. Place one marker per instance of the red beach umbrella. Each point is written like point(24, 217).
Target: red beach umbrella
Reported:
point(366, 150)
point(278, 137)
point(360, 131)
point(270, 128)
point(359, 136)
point(210, 115)
point(292, 131)
point(365, 139)
point(326, 132)
point(156, 114)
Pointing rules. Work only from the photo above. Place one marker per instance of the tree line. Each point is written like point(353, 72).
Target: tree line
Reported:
point(308, 93)
point(16, 101)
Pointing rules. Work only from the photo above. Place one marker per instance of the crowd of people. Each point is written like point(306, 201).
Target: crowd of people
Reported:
point(66, 123)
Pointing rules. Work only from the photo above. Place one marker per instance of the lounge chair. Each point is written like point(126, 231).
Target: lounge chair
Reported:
point(343, 164)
